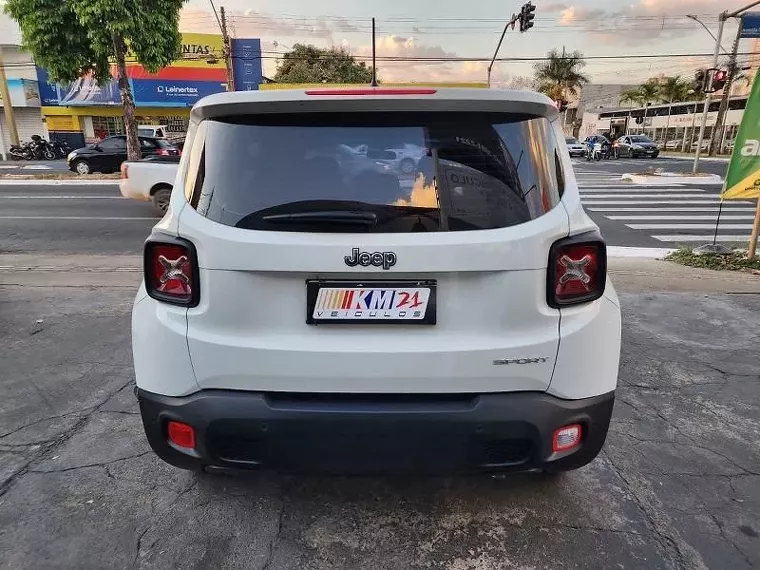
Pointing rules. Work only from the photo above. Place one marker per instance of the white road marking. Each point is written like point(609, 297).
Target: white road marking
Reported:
point(59, 182)
point(647, 252)
point(734, 208)
point(723, 227)
point(636, 196)
point(627, 189)
point(727, 218)
point(60, 197)
point(69, 218)
point(704, 238)
point(649, 202)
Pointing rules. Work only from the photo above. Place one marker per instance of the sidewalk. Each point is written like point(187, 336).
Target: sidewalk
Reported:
point(687, 156)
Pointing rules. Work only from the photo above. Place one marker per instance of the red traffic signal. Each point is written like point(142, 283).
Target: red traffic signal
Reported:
point(719, 78)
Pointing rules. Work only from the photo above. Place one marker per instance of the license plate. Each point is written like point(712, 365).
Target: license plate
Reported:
point(389, 302)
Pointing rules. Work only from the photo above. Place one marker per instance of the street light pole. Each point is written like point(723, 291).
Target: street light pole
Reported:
point(708, 96)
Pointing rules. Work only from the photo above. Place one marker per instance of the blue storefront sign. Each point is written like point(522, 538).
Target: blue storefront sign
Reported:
point(86, 91)
point(48, 90)
point(751, 25)
point(246, 57)
point(173, 93)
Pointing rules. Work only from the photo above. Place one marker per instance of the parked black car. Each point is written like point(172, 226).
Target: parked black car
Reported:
point(107, 155)
point(637, 145)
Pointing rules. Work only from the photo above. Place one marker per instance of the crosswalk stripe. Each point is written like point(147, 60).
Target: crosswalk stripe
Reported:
point(732, 208)
point(628, 189)
point(723, 227)
point(650, 202)
point(723, 218)
point(694, 238)
point(636, 196)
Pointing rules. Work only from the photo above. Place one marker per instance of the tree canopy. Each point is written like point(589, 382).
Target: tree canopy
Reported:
point(560, 75)
point(310, 64)
point(72, 38)
point(659, 90)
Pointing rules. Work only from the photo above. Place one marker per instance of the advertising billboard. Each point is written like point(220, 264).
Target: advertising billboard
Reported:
point(23, 93)
point(246, 58)
point(201, 71)
point(173, 93)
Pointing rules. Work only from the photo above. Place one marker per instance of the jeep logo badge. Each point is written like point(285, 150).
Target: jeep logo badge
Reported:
point(386, 259)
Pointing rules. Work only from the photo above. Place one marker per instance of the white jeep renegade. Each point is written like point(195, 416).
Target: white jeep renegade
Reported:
point(310, 303)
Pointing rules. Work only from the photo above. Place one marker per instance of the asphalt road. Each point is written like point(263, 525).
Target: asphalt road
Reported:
point(96, 219)
point(677, 485)
point(72, 219)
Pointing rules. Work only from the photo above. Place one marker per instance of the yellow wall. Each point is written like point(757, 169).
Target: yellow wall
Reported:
point(274, 86)
point(113, 111)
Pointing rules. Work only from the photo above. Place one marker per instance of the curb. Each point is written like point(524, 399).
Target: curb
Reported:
point(638, 252)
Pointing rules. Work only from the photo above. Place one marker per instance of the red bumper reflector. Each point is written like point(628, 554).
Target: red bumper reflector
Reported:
point(376, 91)
point(181, 435)
point(567, 437)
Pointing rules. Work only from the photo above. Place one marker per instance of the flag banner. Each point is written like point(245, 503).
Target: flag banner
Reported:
point(743, 177)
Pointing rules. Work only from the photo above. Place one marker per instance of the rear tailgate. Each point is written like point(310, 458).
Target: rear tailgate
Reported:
point(469, 240)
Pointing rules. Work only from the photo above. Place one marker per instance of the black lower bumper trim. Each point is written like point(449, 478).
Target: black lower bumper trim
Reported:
point(341, 433)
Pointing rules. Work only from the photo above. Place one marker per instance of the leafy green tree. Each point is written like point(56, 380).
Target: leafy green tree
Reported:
point(310, 64)
point(674, 90)
point(72, 38)
point(560, 75)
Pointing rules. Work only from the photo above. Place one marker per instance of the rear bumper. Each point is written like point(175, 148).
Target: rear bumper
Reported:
point(341, 433)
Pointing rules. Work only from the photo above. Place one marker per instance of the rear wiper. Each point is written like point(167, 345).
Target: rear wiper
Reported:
point(324, 217)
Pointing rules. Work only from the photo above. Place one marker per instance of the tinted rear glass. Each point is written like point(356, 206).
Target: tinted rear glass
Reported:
point(379, 172)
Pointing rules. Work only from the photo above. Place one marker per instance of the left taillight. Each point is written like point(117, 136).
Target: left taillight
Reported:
point(577, 270)
point(124, 170)
point(171, 271)
point(162, 152)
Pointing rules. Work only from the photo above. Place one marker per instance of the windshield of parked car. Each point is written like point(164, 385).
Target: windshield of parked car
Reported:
point(421, 172)
point(640, 139)
point(571, 140)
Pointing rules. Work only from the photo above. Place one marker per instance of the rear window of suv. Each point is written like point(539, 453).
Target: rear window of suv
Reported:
point(374, 172)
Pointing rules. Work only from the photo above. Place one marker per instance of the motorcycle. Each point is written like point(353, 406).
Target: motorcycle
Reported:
point(21, 152)
point(61, 149)
point(41, 149)
point(594, 153)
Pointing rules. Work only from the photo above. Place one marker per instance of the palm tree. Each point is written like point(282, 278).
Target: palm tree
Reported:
point(642, 95)
point(673, 90)
point(560, 75)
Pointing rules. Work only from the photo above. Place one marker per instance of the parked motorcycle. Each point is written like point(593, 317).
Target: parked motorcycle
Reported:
point(20, 152)
point(41, 149)
point(61, 149)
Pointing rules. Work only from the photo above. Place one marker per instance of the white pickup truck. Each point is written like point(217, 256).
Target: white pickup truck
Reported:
point(150, 180)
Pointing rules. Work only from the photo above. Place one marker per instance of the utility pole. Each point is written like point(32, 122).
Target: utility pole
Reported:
point(715, 137)
point(374, 56)
point(227, 50)
point(708, 96)
point(10, 120)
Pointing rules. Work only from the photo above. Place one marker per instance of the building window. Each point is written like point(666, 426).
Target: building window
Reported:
point(107, 126)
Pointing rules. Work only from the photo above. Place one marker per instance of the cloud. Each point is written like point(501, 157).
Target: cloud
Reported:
point(252, 24)
point(552, 8)
point(638, 22)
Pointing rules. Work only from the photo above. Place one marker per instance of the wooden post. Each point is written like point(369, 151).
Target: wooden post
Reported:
point(10, 120)
point(227, 51)
point(753, 236)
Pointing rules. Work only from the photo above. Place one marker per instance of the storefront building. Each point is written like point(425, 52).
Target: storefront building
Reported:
point(84, 112)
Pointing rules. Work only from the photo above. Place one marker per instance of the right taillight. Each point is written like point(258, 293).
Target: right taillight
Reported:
point(171, 272)
point(124, 170)
point(577, 270)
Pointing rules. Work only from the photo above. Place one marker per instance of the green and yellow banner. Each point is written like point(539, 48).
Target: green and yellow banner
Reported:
point(743, 178)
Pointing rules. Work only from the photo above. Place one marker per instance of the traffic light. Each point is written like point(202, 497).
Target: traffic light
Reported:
point(527, 15)
point(719, 79)
point(698, 85)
